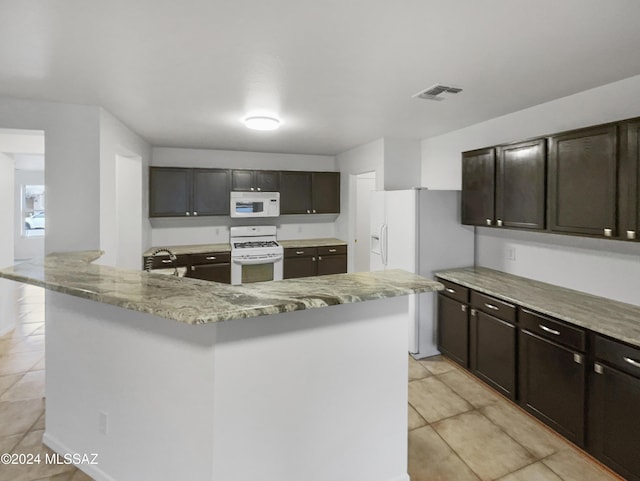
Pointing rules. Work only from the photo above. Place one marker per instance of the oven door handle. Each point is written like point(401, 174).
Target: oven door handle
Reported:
point(264, 260)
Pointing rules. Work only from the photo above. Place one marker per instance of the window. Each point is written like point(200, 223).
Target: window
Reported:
point(33, 210)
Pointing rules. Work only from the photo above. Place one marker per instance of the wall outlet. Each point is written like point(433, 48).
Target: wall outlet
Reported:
point(511, 253)
point(103, 422)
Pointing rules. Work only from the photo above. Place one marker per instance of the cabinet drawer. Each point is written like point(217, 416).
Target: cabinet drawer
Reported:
point(331, 250)
point(163, 262)
point(621, 356)
point(552, 329)
point(210, 258)
point(491, 305)
point(455, 291)
point(300, 251)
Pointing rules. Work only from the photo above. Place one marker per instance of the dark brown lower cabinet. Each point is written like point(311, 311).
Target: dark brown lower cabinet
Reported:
point(453, 330)
point(552, 385)
point(614, 422)
point(493, 352)
point(299, 267)
point(314, 261)
point(212, 266)
point(332, 264)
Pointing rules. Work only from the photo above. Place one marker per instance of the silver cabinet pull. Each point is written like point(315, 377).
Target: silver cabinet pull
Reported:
point(210, 258)
point(489, 222)
point(167, 261)
point(450, 291)
point(608, 232)
point(633, 362)
point(464, 308)
point(499, 222)
point(313, 259)
point(598, 369)
point(491, 306)
point(314, 211)
point(252, 189)
point(631, 234)
point(195, 213)
point(319, 258)
point(473, 312)
point(308, 211)
point(332, 250)
point(188, 213)
point(549, 330)
point(299, 252)
point(259, 189)
point(577, 358)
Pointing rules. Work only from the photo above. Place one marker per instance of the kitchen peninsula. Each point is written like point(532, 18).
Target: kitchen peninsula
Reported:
point(170, 378)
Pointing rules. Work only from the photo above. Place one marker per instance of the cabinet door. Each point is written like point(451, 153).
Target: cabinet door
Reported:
point(212, 272)
point(552, 385)
point(582, 181)
point(478, 187)
point(333, 264)
point(295, 192)
point(210, 192)
point(325, 192)
point(453, 330)
point(493, 352)
point(267, 180)
point(242, 180)
point(299, 267)
point(169, 192)
point(614, 424)
point(629, 201)
point(520, 185)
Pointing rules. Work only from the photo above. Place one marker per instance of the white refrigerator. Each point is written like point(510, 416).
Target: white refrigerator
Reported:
point(419, 230)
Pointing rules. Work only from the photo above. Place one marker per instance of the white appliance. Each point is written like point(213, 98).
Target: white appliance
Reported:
point(255, 255)
point(255, 204)
point(419, 231)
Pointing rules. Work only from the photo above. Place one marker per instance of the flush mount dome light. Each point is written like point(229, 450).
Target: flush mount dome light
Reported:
point(262, 122)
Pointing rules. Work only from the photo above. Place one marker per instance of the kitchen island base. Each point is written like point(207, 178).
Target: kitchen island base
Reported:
point(317, 394)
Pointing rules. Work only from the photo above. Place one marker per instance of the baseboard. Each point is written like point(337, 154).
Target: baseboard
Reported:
point(92, 470)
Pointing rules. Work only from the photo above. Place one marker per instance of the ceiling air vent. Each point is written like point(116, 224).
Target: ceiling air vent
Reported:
point(435, 92)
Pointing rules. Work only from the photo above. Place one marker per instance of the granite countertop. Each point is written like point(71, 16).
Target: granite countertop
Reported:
point(598, 314)
point(195, 301)
point(203, 248)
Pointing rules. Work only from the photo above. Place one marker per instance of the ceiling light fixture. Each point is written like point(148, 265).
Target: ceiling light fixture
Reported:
point(262, 123)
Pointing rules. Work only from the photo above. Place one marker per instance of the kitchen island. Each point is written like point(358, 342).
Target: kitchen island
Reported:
point(167, 378)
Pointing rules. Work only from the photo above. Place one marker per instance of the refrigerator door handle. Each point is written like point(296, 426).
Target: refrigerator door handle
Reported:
point(383, 243)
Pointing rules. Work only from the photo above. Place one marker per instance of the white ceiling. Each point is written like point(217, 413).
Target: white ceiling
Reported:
point(339, 73)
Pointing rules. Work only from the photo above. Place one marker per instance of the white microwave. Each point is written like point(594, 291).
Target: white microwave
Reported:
point(255, 204)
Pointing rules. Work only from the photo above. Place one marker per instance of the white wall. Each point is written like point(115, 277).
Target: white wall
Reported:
point(7, 306)
point(602, 267)
point(205, 230)
point(401, 164)
point(116, 139)
point(441, 164)
point(26, 247)
point(72, 176)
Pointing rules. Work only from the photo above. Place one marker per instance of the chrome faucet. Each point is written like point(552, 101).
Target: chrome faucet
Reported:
point(148, 265)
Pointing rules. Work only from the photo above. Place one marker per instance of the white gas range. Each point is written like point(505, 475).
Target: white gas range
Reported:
point(255, 254)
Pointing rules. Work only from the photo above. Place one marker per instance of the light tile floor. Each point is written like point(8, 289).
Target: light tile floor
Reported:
point(458, 428)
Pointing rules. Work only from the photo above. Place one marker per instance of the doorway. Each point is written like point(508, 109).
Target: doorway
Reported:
point(365, 184)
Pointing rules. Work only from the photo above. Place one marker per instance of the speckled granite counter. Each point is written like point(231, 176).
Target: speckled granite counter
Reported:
point(202, 248)
point(193, 301)
point(598, 314)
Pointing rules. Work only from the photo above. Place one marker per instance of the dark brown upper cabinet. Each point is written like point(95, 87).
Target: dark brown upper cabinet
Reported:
point(255, 180)
point(630, 180)
point(184, 192)
point(309, 192)
point(520, 185)
point(478, 187)
point(583, 168)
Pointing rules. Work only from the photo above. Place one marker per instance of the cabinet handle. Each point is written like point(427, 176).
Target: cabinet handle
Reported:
point(499, 222)
point(193, 268)
point(489, 222)
point(314, 211)
point(252, 189)
point(631, 234)
point(167, 261)
point(332, 250)
point(608, 232)
point(313, 259)
point(450, 291)
point(308, 211)
point(549, 330)
point(633, 362)
point(299, 252)
point(188, 213)
point(491, 306)
point(319, 258)
point(473, 312)
point(598, 369)
point(258, 189)
point(210, 258)
point(577, 358)
point(464, 308)
point(195, 213)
